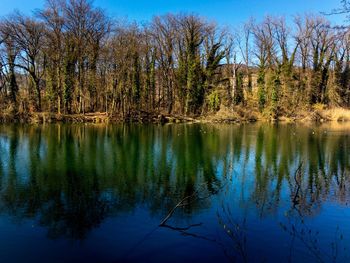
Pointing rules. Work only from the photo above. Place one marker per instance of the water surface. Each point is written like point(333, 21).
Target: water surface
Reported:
point(256, 193)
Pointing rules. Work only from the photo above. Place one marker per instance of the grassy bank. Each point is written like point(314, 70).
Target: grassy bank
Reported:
point(236, 115)
point(317, 114)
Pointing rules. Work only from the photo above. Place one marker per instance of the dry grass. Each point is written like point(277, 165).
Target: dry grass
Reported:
point(319, 107)
point(337, 114)
point(236, 115)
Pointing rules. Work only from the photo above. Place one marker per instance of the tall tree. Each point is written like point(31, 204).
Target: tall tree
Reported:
point(28, 35)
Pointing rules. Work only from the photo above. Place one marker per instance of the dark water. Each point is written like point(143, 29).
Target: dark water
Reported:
point(82, 193)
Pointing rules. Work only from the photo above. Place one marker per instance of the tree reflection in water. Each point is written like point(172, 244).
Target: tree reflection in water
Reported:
point(70, 178)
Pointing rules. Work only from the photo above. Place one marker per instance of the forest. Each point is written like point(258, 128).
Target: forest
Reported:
point(70, 57)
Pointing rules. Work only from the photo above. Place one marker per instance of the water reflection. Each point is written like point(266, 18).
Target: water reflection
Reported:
point(70, 178)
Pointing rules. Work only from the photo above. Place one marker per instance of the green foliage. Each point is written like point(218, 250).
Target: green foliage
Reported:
point(214, 101)
point(261, 90)
point(13, 86)
point(50, 88)
point(136, 82)
point(239, 92)
point(214, 57)
point(250, 82)
point(68, 86)
point(342, 83)
point(195, 89)
point(274, 95)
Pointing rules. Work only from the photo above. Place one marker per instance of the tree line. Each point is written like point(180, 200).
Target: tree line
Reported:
point(71, 57)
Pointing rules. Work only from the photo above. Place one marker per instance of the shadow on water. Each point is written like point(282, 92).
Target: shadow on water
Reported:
point(70, 179)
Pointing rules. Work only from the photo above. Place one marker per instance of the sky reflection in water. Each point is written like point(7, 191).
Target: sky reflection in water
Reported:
point(72, 193)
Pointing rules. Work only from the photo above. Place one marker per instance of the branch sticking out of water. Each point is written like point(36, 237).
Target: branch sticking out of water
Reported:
point(185, 201)
point(179, 204)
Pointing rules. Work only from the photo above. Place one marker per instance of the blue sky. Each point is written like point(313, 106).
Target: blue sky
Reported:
point(226, 12)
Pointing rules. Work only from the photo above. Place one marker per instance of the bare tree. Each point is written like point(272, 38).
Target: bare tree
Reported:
point(9, 52)
point(28, 35)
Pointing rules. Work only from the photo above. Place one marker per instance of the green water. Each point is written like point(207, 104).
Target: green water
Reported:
point(73, 193)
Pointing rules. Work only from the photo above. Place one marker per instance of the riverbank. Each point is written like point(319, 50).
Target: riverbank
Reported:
point(95, 117)
point(241, 115)
point(237, 115)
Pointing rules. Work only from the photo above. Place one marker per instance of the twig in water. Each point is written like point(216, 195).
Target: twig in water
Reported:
point(193, 196)
point(174, 209)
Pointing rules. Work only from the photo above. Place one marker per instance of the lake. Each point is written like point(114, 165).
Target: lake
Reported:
point(223, 193)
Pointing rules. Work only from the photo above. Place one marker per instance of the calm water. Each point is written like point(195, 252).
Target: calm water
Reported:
point(83, 193)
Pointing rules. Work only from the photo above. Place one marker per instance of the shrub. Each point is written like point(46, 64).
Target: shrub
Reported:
point(214, 101)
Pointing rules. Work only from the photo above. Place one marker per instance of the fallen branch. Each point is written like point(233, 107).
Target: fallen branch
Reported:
point(188, 199)
point(174, 209)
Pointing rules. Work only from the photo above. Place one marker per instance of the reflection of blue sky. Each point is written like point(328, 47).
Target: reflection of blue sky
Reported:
point(133, 231)
point(20, 162)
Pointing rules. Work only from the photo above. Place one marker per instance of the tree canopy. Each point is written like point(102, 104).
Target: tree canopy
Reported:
point(71, 57)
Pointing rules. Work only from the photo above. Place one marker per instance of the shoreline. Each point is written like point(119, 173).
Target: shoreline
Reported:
point(316, 116)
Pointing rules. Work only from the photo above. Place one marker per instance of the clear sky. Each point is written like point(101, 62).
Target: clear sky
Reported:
point(226, 12)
